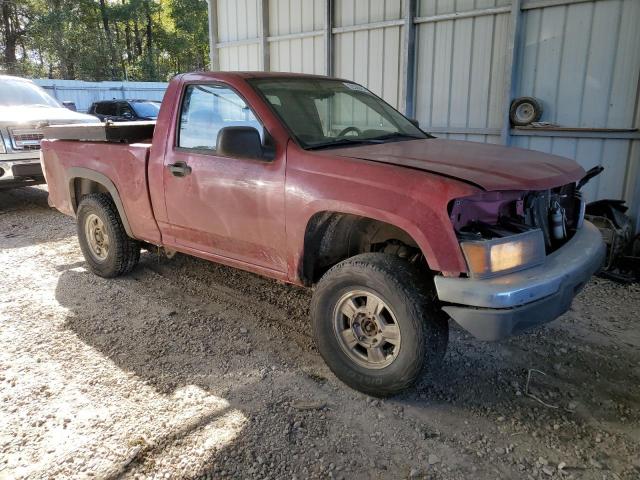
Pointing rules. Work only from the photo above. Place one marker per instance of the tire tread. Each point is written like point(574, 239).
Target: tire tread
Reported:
point(426, 316)
point(126, 249)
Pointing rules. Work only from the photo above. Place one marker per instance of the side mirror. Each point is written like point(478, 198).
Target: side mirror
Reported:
point(127, 115)
point(242, 142)
point(415, 122)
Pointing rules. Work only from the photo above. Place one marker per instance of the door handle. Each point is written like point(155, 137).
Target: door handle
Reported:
point(179, 169)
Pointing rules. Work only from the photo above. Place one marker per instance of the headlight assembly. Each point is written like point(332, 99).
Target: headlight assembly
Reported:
point(2, 147)
point(486, 258)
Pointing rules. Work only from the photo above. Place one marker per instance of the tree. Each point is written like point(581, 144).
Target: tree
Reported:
point(13, 31)
point(103, 39)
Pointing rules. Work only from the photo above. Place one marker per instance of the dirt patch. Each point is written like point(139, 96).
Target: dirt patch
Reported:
point(187, 369)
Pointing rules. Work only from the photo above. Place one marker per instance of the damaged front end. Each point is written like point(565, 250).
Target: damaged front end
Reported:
point(528, 254)
point(507, 231)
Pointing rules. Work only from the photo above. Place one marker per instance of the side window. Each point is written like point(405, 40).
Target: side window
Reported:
point(208, 108)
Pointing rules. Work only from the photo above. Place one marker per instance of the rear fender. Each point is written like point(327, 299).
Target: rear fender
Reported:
point(79, 173)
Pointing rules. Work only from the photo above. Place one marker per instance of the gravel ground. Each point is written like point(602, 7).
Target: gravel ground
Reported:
point(187, 369)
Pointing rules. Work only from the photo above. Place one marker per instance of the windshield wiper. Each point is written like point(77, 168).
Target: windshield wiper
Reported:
point(395, 135)
point(346, 141)
point(367, 141)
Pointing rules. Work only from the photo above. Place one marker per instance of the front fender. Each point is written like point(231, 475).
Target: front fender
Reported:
point(411, 200)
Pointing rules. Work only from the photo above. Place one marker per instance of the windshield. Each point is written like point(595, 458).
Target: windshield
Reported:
point(323, 113)
point(15, 93)
point(146, 109)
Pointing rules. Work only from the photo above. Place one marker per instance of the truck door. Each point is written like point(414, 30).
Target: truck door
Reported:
point(229, 207)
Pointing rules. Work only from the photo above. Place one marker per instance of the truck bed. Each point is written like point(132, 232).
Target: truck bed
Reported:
point(122, 132)
point(120, 166)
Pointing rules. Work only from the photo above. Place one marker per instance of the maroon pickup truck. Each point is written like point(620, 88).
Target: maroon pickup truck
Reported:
point(317, 182)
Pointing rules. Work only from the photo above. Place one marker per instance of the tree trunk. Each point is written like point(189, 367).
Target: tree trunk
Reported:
point(67, 69)
point(136, 33)
point(150, 61)
point(109, 36)
point(10, 37)
point(127, 38)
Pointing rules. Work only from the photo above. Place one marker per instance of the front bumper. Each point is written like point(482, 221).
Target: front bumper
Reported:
point(495, 308)
point(20, 169)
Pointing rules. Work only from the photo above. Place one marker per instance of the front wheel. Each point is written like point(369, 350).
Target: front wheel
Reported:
point(376, 324)
point(106, 247)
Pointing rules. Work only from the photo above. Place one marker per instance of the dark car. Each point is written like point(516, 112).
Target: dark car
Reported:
point(125, 110)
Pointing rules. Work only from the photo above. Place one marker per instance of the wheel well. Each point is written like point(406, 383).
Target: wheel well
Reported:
point(332, 237)
point(93, 182)
point(83, 187)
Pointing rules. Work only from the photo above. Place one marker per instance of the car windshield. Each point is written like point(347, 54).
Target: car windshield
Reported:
point(146, 109)
point(14, 93)
point(325, 113)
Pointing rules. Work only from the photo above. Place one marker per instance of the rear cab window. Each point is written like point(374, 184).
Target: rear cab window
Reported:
point(106, 108)
point(207, 108)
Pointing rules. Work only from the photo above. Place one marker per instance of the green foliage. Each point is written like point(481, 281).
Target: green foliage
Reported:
point(103, 39)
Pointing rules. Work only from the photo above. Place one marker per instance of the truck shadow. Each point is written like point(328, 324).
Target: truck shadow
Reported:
point(246, 339)
point(26, 219)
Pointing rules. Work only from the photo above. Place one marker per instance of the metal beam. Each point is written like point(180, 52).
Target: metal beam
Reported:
point(237, 43)
point(328, 38)
point(531, 4)
point(264, 36)
point(459, 15)
point(214, 60)
point(368, 26)
point(269, 39)
point(296, 36)
point(463, 130)
point(409, 58)
point(576, 133)
point(511, 67)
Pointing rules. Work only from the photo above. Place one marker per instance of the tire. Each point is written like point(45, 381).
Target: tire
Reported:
point(106, 247)
point(409, 303)
point(524, 111)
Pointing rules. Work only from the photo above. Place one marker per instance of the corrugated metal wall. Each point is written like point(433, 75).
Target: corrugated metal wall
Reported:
point(239, 20)
point(305, 54)
point(461, 69)
point(83, 94)
point(583, 61)
point(370, 56)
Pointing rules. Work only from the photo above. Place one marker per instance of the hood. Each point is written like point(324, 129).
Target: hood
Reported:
point(25, 115)
point(489, 166)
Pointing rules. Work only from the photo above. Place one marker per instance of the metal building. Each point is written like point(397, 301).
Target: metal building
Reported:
point(455, 65)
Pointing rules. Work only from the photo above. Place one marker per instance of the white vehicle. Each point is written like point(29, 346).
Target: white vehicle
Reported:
point(23, 107)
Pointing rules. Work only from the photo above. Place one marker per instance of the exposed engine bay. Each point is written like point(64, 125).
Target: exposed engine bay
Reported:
point(557, 213)
point(506, 231)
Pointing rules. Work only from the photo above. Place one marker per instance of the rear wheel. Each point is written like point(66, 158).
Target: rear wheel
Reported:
point(106, 247)
point(376, 323)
